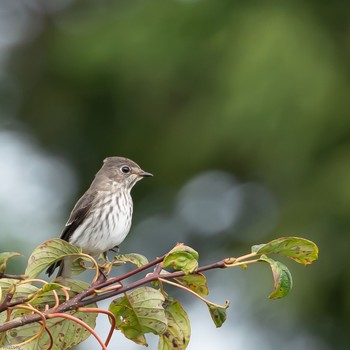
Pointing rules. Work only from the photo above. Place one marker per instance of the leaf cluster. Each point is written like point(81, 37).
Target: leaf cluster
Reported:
point(61, 314)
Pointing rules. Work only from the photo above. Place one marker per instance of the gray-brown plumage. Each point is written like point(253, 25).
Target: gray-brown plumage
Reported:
point(101, 218)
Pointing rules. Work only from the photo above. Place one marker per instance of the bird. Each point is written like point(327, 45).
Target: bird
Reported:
point(101, 218)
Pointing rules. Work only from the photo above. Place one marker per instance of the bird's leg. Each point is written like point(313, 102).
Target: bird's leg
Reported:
point(105, 268)
point(101, 271)
point(116, 261)
point(104, 256)
point(105, 265)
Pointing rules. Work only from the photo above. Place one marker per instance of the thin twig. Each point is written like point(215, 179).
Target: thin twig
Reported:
point(8, 297)
point(190, 291)
point(106, 312)
point(15, 277)
point(77, 320)
point(43, 324)
point(50, 337)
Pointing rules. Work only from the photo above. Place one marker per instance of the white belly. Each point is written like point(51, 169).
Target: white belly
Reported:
point(99, 233)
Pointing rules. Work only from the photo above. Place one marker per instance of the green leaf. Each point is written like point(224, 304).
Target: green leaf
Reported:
point(78, 265)
point(182, 258)
point(47, 253)
point(136, 259)
point(256, 248)
point(44, 291)
point(21, 291)
point(196, 282)
point(73, 286)
point(140, 312)
point(299, 249)
point(66, 333)
point(218, 313)
point(6, 284)
point(7, 255)
point(51, 286)
point(37, 297)
point(177, 335)
point(4, 257)
point(282, 278)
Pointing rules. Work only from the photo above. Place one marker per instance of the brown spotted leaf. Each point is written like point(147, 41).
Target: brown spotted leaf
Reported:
point(47, 253)
point(178, 332)
point(218, 313)
point(299, 249)
point(183, 258)
point(140, 312)
point(65, 333)
point(282, 278)
point(196, 282)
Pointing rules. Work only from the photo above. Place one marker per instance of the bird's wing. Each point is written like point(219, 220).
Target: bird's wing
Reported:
point(78, 214)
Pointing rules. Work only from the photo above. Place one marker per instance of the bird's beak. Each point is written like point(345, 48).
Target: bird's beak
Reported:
point(144, 173)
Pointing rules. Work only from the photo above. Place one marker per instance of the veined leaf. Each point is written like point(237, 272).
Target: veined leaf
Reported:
point(218, 313)
point(47, 298)
point(196, 282)
point(140, 312)
point(299, 249)
point(182, 258)
point(282, 278)
point(51, 286)
point(65, 333)
point(133, 258)
point(178, 332)
point(47, 253)
point(21, 291)
point(79, 266)
point(44, 292)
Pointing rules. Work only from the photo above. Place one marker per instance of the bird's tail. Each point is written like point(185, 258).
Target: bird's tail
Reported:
point(64, 266)
point(51, 269)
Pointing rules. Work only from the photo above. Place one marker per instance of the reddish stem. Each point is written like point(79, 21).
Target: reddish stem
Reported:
point(106, 312)
point(83, 324)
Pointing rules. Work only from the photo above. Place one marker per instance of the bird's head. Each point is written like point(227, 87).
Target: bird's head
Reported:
point(122, 171)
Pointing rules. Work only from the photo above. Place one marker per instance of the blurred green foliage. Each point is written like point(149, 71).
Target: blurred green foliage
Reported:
point(258, 90)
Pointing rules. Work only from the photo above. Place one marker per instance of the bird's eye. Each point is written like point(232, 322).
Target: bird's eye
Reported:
point(125, 169)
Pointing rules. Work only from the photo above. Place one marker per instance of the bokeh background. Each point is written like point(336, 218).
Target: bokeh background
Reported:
point(240, 109)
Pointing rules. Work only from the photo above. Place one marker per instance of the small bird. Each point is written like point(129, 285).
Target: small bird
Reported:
point(101, 219)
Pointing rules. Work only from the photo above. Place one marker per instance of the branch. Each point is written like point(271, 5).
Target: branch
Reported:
point(182, 261)
point(15, 277)
point(7, 299)
point(83, 298)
